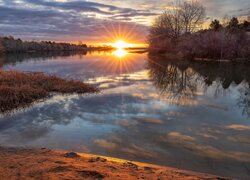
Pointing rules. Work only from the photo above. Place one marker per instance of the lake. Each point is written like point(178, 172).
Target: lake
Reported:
point(188, 115)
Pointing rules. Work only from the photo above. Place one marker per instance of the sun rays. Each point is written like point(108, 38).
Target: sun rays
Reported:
point(120, 34)
point(121, 44)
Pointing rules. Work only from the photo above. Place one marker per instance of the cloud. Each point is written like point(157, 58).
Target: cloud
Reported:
point(126, 123)
point(67, 21)
point(148, 120)
point(132, 150)
point(82, 6)
point(238, 139)
point(238, 127)
point(71, 20)
point(218, 9)
point(191, 144)
point(105, 144)
point(180, 137)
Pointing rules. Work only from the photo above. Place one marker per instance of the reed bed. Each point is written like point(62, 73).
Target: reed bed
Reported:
point(20, 89)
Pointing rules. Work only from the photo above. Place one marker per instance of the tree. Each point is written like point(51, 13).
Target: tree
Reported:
point(215, 25)
point(180, 18)
point(246, 24)
point(192, 14)
point(1, 47)
point(234, 23)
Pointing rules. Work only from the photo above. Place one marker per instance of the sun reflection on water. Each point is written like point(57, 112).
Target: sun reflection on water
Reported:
point(120, 53)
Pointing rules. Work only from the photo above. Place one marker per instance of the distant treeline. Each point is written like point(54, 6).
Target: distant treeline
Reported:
point(230, 41)
point(10, 44)
point(179, 31)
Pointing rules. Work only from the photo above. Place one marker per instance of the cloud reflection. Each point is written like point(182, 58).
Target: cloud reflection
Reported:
point(139, 114)
point(190, 143)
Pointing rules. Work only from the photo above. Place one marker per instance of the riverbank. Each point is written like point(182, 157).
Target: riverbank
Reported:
point(180, 57)
point(48, 164)
point(21, 89)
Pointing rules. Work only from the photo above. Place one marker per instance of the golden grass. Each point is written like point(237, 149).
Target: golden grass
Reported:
point(19, 89)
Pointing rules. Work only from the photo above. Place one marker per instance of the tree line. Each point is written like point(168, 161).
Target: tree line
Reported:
point(10, 45)
point(179, 30)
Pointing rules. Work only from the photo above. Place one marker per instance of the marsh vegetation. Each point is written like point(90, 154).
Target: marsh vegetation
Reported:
point(19, 89)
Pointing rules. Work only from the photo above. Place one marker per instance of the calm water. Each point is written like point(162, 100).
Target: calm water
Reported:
point(194, 116)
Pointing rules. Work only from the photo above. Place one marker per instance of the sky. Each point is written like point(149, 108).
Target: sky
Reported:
point(95, 21)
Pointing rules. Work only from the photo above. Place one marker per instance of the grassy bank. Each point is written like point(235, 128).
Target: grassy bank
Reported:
point(48, 164)
point(19, 89)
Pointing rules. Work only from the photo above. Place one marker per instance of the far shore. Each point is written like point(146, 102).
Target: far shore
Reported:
point(17, 163)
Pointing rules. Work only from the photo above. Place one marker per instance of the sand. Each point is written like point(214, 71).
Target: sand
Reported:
point(49, 164)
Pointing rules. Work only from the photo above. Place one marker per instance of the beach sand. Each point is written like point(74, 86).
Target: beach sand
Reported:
point(47, 164)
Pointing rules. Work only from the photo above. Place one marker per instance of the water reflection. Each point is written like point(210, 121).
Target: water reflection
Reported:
point(182, 81)
point(120, 53)
point(84, 64)
point(14, 58)
point(180, 114)
point(174, 79)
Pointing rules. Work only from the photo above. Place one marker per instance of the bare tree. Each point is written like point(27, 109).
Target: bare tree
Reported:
point(168, 24)
point(1, 46)
point(179, 18)
point(192, 14)
point(225, 21)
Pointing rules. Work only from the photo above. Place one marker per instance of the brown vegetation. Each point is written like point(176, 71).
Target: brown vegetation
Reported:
point(18, 89)
point(218, 45)
point(47, 164)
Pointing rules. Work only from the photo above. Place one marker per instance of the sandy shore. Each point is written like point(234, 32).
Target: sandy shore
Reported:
point(48, 164)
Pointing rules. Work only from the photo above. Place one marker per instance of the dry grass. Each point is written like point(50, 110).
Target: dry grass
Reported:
point(18, 89)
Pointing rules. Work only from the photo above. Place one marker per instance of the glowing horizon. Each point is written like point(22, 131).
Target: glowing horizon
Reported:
point(95, 21)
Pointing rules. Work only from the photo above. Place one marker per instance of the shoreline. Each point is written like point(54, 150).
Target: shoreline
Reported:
point(19, 163)
point(177, 57)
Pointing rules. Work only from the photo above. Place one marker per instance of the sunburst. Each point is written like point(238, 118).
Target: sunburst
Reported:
point(121, 44)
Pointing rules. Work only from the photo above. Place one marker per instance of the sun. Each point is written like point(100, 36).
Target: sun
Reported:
point(120, 44)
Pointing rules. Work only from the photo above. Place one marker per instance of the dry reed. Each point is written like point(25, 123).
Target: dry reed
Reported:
point(19, 89)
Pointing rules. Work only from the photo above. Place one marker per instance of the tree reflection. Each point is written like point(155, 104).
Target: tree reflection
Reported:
point(182, 80)
point(174, 79)
point(14, 58)
point(243, 100)
point(1, 61)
